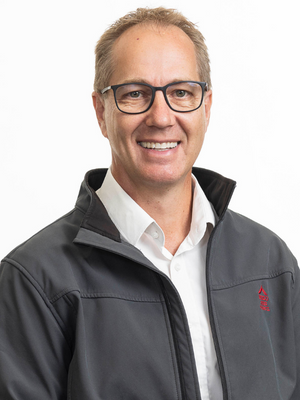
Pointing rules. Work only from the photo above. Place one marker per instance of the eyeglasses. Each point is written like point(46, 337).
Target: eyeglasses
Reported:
point(137, 98)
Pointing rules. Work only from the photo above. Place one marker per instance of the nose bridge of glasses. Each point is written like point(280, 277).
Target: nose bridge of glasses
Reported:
point(163, 90)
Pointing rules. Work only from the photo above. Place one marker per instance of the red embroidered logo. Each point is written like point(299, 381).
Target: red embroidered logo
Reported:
point(263, 297)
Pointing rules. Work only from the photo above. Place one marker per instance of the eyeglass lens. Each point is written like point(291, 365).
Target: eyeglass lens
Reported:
point(136, 98)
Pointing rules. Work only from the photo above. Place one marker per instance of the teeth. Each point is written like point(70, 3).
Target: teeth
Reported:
point(158, 146)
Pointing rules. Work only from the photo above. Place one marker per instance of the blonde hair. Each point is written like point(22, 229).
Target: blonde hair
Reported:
point(159, 16)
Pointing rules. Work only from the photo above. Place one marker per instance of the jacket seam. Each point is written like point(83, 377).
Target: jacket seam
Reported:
point(120, 297)
point(63, 293)
point(247, 280)
point(77, 207)
point(35, 284)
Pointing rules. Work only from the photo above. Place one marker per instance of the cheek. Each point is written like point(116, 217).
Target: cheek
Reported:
point(195, 127)
point(125, 127)
point(113, 130)
point(118, 133)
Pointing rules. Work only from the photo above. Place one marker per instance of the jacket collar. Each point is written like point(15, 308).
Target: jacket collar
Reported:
point(217, 189)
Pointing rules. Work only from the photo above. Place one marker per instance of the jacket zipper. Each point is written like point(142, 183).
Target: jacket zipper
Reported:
point(211, 316)
point(209, 298)
point(180, 373)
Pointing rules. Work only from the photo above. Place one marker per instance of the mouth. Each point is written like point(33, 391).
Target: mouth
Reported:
point(159, 146)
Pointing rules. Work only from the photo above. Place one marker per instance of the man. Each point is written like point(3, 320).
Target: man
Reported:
point(151, 288)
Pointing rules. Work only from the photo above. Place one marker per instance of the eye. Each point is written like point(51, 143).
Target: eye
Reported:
point(180, 93)
point(135, 94)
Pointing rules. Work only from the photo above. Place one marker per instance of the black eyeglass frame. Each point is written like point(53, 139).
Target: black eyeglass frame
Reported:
point(154, 89)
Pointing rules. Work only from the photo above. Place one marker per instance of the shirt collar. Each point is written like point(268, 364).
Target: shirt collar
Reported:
point(132, 221)
point(202, 214)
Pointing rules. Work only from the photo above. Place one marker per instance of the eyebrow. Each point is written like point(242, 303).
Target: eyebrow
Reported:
point(140, 80)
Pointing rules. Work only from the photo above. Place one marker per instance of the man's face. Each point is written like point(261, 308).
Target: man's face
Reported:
point(157, 57)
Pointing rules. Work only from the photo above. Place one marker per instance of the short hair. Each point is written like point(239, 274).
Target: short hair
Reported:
point(158, 16)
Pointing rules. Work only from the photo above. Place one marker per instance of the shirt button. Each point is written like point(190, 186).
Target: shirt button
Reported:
point(177, 267)
point(155, 235)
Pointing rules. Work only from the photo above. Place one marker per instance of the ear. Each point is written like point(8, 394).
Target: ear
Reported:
point(99, 107)
point(207, 102)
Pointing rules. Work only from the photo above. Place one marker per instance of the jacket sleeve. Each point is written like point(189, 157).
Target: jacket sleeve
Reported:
point(34, 354)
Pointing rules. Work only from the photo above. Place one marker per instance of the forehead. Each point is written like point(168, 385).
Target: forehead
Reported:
point(162, 50)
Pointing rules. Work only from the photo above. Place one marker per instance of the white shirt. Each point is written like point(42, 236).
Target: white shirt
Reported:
point(186, 268)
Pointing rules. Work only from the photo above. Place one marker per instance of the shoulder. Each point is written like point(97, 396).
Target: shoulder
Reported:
point(44, 259)
point(240, 227)
point(247, 250)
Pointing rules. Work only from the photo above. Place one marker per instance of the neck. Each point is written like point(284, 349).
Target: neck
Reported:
point(170, 207)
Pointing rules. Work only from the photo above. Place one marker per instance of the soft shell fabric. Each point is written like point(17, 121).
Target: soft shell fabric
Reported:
point(84, 315)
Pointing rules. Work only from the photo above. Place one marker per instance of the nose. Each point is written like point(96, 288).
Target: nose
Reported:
point(160, 114)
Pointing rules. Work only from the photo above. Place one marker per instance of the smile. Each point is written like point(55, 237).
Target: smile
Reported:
point(158, 146)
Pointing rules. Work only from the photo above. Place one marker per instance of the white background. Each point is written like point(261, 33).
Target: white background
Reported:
point(50, 137)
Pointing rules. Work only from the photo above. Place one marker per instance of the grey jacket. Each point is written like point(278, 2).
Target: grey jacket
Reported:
point(85, 316)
